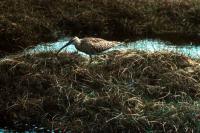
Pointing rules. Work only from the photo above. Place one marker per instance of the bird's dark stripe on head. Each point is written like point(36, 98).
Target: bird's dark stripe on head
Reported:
point(68, 43)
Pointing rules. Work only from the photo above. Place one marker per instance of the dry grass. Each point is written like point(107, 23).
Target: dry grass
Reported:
point(120, 91)
point(24, 23)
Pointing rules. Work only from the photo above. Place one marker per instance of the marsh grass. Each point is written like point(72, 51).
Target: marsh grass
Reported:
point(120, 91)
point(24, 23)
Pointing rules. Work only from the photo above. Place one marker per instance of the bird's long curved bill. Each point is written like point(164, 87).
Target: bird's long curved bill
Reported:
point(70, 41)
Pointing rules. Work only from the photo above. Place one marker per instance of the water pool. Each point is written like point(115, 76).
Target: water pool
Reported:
point(191, 50)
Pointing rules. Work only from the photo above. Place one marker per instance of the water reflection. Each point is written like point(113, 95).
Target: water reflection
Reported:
point(144, 45)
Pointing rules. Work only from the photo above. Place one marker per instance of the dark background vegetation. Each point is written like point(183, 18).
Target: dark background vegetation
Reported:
point(27, 22)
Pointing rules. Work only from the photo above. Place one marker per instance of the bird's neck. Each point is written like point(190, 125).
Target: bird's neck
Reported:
point(77, 42)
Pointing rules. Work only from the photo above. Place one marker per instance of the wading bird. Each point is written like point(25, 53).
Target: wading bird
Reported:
point(90, 45)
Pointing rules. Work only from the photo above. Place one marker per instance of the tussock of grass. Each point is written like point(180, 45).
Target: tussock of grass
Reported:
point(119, 91)
point(28, 22)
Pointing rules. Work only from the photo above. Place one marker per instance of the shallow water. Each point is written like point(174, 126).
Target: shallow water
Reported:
point(191, 50)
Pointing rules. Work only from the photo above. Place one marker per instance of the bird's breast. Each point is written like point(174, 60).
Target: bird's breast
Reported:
point(88, 49)
point(94, 46)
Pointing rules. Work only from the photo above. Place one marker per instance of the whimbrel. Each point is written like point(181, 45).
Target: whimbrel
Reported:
point(90, 45)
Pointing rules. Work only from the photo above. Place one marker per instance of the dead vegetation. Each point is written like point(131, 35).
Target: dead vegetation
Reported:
point(120, 91)
point(28, 22)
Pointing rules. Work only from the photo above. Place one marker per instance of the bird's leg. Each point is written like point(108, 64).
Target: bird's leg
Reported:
point(75, 52)
point(90, 60)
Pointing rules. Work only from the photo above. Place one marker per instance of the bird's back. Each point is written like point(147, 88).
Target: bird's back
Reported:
point(91, 45)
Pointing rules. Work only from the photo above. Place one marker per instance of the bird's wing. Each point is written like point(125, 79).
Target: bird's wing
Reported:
point(99, 45)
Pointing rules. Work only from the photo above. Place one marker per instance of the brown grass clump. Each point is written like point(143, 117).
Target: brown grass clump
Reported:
point(25, 23)
point(120, 91)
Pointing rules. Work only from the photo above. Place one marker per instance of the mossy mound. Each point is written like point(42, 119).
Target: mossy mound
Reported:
point(119, 91)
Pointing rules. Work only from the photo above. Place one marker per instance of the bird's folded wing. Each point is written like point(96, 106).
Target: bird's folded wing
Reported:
point(100, 45)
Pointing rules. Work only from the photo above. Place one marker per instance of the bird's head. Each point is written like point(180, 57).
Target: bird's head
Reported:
point(76, 40)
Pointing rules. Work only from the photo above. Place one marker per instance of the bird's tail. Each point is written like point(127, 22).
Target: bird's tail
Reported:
point(119, 43)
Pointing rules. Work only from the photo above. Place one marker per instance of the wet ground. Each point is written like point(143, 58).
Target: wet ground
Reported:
point(192, 50)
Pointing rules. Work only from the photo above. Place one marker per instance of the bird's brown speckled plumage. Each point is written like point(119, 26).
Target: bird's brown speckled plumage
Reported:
point(92, 46)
